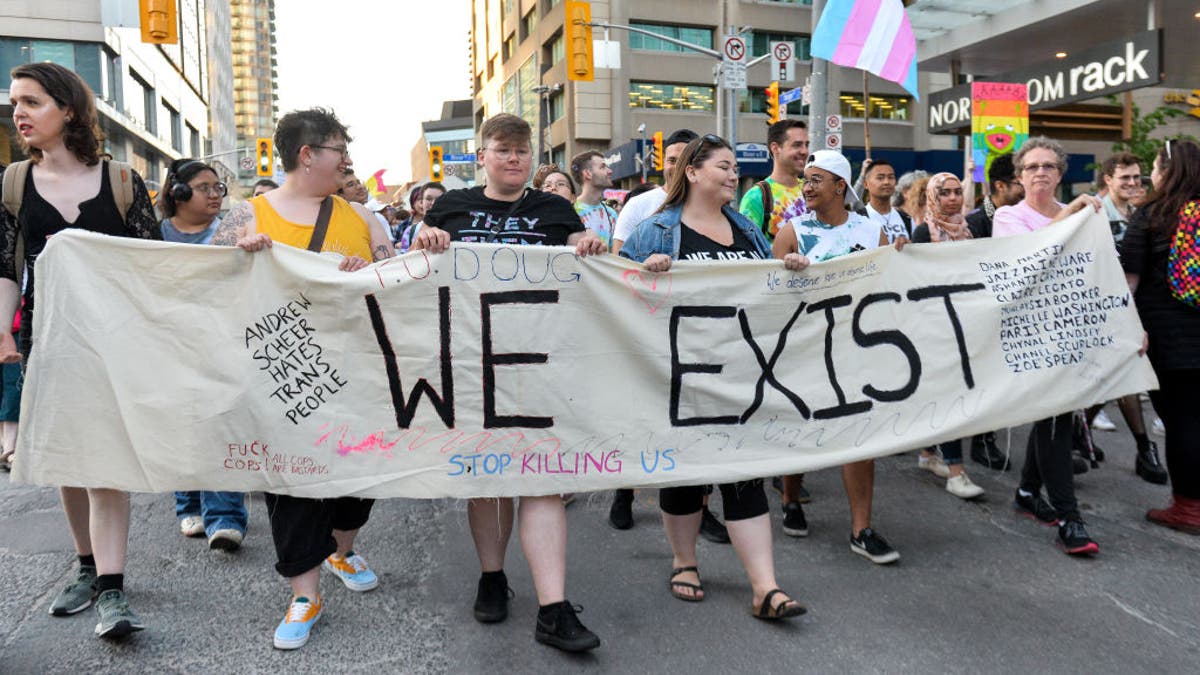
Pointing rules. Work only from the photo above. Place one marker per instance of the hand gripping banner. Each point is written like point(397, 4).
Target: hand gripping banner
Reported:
point(498, 371)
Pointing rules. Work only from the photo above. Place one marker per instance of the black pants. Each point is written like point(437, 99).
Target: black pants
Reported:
point(303, 528)
point(741, 500)
point(1174, 405)
point(1048, 462)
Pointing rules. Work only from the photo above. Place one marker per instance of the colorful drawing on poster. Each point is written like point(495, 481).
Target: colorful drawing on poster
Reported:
point(999, 122)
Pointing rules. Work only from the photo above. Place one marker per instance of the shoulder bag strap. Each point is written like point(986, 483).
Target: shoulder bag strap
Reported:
point(768, 200)
point(322, 226)
point(499, 227)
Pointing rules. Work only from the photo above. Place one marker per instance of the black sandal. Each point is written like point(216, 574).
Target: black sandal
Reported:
point(784, 610)
point(695, 588)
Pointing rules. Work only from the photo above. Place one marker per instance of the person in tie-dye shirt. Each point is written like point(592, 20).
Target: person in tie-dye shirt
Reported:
point(778, 199)
point(593, 176)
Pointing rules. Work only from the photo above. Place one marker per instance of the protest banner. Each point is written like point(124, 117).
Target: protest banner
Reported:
point(497, 371)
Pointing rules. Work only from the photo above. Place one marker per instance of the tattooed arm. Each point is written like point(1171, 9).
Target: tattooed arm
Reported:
point(238, 229)
point(381, 244)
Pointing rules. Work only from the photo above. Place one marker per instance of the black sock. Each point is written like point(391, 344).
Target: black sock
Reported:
point(1142, 440)
point(498, 575)
point(88, 560)
point(546, 609)
point(110, 582)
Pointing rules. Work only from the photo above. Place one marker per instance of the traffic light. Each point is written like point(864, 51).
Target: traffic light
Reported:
point(435, 162)
point(579, 40)
point(264, 157)
point(657, 151)
point(160, 22)
point(773, 115)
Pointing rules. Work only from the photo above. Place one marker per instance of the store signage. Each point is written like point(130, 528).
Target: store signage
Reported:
point(1121, 65)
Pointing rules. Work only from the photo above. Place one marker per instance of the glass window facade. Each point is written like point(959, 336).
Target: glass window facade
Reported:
point(881, 107)
point(760, 43)
point(81, 57)
point(664, 96)
point(702, 37)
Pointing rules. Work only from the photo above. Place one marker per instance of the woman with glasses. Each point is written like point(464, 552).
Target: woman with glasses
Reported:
point(556, 181)
point(1040, 164)
point(1172, 326)
point(190, 201)
point(70, 185)
point(311, 534)
point(944, 221)
point(696, 223)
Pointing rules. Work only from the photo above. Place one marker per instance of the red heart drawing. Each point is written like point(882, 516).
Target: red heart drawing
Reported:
point(651, 288)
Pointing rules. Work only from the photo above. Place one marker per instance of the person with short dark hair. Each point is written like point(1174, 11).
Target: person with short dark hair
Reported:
point(1122, 175)
point(879, 178)
point(502, 211)
point(775, 200)
point(591, 172)
point(263, 185)
point(696, 223)
point(1005, 190)
point(311, 534)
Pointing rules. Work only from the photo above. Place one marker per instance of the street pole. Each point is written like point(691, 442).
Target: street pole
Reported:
point(816, 110)
point(642, 129)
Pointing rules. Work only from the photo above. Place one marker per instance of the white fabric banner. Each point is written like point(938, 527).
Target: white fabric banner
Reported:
point(498, 371)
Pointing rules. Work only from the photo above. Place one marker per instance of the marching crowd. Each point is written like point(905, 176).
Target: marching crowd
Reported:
point(807, 211)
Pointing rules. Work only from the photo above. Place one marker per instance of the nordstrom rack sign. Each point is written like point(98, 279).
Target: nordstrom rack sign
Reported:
point(1129, 63)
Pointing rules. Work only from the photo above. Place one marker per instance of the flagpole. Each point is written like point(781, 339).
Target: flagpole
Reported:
point(866, 115)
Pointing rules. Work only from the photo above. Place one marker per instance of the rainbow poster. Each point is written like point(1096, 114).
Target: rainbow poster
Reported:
point(999, 122)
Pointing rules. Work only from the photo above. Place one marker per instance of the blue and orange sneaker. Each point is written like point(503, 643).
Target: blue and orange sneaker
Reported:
point(352, 570)
point(293, 631)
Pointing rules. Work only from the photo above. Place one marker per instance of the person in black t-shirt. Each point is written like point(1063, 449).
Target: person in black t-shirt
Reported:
point(696, 215)
point(504, 212)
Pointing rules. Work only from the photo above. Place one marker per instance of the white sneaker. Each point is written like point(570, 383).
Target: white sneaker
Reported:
point(934, 464)
point(1157, 428)
point(191, 526)
point(961, 486)
point(227, 539)
point(1102, 423)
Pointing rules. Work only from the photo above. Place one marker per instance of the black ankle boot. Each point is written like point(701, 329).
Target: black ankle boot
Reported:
point(1147, 465)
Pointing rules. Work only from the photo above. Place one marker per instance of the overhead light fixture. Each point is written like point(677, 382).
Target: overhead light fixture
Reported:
point(1060, 55)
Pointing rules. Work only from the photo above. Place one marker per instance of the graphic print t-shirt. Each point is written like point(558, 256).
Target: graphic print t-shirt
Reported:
point(599, 218)
point(786, 203)
point(695, 246)
point(819, 241)
point(541, 218)
point(891, 222)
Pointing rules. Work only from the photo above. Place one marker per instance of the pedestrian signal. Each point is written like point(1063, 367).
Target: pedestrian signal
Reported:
point(159, 21)
point(579, 40)
point(435, 162)
point(773, 103)
point(656, 153)
point(264, 157)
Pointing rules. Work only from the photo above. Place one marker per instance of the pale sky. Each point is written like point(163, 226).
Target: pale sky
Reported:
point(384, 66)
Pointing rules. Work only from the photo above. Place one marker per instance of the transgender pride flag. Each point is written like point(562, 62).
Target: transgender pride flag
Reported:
point(872, 35)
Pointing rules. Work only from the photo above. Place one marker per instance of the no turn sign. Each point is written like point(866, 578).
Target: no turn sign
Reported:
point(734, 49)
point(783, 66)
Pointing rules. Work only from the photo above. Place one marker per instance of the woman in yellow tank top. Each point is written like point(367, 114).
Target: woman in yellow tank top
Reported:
point(311, 533)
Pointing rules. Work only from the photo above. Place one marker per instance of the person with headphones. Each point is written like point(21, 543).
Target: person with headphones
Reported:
point(190, 200)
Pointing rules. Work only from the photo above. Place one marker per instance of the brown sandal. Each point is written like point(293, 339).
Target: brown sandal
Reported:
point(784, 610)
point(695, 588)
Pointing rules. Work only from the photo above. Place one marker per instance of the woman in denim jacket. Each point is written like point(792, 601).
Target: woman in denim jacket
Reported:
point(696, 223)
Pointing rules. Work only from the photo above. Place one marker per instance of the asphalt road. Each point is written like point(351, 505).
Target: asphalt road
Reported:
point(978, 590)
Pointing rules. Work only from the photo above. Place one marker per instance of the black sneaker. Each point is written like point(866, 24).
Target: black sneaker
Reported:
point(873, 547)
point(491, 599)
point(1147, 465)
point(620, 515)
point(713, 529)
point(558, 627)
point(1035, 508)
point(794, 523)
point(1074, 540)
point(985, 451)
point(1078, 465)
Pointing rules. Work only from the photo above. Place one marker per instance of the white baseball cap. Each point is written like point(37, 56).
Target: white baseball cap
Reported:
point(835, 163)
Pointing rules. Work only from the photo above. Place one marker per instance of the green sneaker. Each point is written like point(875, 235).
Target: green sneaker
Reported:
point(78, 595)
point(116, 618)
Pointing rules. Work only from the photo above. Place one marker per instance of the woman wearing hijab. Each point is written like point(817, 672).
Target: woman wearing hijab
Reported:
point(944, 221)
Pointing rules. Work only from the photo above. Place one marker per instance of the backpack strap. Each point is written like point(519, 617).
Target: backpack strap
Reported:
point(13, 188)
point(768, 201)
point(120, 178)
